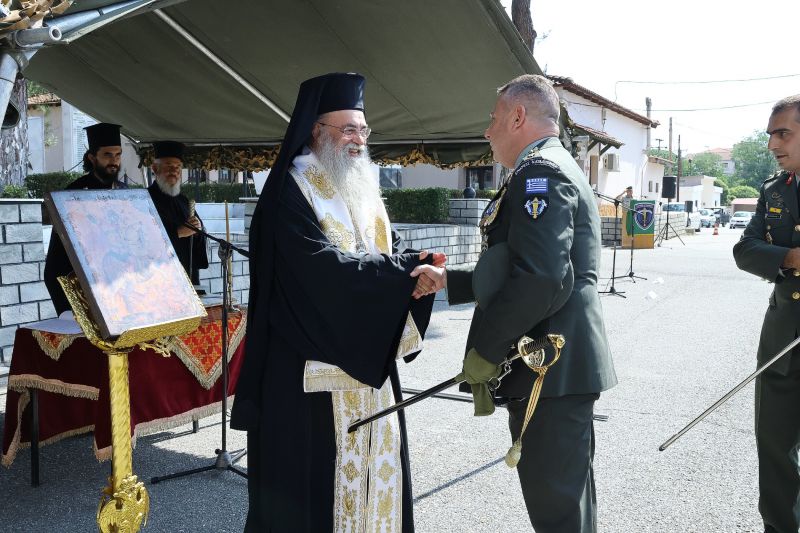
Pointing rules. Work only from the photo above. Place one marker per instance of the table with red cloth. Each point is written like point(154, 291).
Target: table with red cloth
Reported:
point(70, 377)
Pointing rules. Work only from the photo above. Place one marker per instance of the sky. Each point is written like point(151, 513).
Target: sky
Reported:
point(603, 46)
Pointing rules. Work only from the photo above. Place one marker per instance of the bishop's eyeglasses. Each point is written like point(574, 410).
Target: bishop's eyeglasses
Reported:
point(351, 131)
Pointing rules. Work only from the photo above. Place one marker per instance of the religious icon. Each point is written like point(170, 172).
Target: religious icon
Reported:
point(123, 259)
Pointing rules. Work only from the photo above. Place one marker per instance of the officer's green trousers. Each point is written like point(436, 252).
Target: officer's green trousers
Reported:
point(777, 420)
point(556, 466)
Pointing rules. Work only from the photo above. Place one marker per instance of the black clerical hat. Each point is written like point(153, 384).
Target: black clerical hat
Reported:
point(103, 134)
point(168, 149)
point(340, 91)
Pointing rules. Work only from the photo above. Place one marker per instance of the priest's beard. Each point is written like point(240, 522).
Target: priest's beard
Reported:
point(106, 174)
point(353, 179)
point(166, 188)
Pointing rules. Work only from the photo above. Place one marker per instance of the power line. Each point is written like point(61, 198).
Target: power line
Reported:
point(688, 82)
point(679, 110)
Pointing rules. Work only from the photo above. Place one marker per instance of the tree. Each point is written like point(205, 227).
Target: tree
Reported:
point(521, 16)
point(14, 141)
point(754, 162)
point(705, 164)
point(742, 191)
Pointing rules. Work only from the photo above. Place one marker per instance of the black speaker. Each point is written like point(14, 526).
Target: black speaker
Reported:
point(668, 186)
point(689, 206)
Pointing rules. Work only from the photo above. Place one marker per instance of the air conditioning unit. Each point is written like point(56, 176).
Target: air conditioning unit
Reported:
point(611, 162)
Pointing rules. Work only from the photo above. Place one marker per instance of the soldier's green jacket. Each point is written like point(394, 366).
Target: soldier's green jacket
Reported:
point(542, 277)
point(773, 230)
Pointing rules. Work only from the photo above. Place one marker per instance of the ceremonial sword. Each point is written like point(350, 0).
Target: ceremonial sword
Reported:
point(727, 396)
point(530, 350)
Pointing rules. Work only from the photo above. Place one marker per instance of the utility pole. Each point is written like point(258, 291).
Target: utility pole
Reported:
point(670, 138)
point(659, 143)
point(648, 104)
point(680, 170)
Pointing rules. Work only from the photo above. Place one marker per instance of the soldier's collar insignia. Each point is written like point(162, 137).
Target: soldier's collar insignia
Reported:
point(535, 206)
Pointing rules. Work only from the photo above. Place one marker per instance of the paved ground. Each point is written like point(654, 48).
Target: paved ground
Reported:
point(675, 354)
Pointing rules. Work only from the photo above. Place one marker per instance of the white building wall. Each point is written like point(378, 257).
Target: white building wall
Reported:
point(633, 160)
point(423, 176)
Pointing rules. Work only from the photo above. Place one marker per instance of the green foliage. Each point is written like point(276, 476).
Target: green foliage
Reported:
point(742, 191)
point(34, 89)
point(480, 193)
point(725, 190)
point(705, 164)
point(15, 191)
point(214, 192)
point(38, 184)
point(419, 206)
point(754, 162)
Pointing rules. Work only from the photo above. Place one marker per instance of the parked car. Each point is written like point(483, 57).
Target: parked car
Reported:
point(741, 219)
point(673, 209)
point(707, 218)
point(723, 217)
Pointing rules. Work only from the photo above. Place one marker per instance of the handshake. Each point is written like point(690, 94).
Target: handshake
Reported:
point(430, 278)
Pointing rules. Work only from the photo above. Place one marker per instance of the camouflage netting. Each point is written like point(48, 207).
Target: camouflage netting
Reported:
point(21, 15)
point(255, 158)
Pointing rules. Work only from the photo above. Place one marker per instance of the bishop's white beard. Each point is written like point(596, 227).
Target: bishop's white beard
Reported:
point(166, 188)
point(353, 179)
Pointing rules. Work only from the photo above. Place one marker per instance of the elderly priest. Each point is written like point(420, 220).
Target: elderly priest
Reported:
point(331, 308)
point(175, 209)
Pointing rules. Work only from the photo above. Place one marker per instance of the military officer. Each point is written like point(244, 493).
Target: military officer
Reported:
point(538, 275)
point(770, 248)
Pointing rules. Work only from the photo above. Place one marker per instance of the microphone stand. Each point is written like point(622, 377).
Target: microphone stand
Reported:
point(225, 460)
point(613, 291)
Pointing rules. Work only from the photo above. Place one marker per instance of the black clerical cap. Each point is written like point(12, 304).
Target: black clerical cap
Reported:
point(103, 134)
point(168, 149)
point(340, 92)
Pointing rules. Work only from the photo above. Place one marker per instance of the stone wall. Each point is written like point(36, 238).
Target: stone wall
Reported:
point(211, 278)
point(461, 243)
point(23, 295)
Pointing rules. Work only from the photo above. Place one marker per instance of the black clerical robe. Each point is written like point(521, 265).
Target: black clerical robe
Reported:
point(174, 211)
point(324, 304)
point(57, 262)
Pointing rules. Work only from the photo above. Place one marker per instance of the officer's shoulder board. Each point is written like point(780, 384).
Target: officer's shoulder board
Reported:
point(783, 174)
point(535, 172)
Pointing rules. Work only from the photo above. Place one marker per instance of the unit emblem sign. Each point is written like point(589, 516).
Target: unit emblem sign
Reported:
point(643, 215)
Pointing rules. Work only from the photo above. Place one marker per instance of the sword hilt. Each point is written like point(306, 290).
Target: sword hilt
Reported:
point(525, 348)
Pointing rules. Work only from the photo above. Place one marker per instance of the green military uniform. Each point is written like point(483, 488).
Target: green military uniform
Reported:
point(538, 275)
point(773, 230)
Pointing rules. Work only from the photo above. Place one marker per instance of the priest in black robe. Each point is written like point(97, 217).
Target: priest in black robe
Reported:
point(332, 306)
point(101, 162)
point(176, 210)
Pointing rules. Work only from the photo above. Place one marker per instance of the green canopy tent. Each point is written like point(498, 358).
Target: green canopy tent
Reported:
point(223, 76)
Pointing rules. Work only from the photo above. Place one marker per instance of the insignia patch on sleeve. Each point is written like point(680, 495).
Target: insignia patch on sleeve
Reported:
point(535, 186)
point(535, 206)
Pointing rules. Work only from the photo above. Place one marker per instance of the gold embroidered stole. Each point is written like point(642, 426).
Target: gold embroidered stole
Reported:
point(368, 484)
